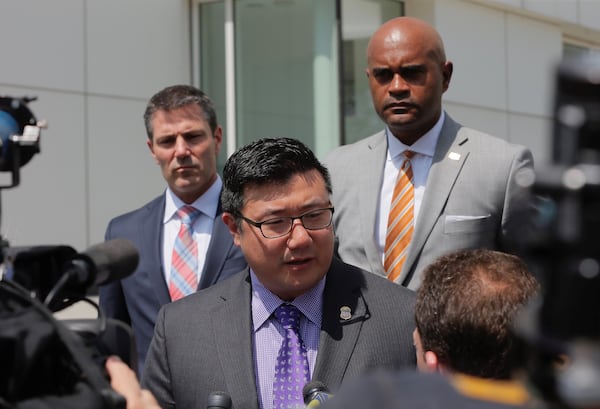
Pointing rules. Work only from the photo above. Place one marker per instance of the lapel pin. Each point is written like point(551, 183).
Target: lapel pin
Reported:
point(345, 313)
point(454, 156)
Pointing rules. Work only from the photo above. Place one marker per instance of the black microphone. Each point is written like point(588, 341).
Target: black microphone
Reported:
point(104, 263)
point(218, 400)
point(315, 393)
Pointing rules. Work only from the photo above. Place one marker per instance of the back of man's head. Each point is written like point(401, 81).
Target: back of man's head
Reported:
point(465, 308)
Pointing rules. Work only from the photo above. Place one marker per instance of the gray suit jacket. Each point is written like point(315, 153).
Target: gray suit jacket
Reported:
point(137, 299)
point(469, 202)
point(203, 343)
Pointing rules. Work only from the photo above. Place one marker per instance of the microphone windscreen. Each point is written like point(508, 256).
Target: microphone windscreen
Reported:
point(114, 259)
point(312, 388)
point(218, 400)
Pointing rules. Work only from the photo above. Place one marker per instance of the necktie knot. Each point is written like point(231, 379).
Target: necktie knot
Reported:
point(288, 316)
point(188, 214)
point(409, 154)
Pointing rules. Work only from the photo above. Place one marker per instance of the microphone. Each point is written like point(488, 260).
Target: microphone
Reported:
point(104, 263)
point(315, 393)
point(218, 400)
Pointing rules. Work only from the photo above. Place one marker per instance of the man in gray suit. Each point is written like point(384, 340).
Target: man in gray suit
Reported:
point(464, 181)
point(276, 202)
point(184, 139)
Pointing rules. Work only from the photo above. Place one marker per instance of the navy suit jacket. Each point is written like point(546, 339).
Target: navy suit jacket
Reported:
point(137, 298)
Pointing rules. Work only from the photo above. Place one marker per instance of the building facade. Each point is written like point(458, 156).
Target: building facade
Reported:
point(274, 68)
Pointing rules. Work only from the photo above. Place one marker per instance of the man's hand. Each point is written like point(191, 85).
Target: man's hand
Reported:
point(124, 381)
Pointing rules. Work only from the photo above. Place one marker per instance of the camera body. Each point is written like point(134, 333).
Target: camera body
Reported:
point(564, 251)
point(46, 362)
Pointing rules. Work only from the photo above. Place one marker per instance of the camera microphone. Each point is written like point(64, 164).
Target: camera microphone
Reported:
point(100, 264)
point(315, 393)
point(218, 400)
point(104, 263)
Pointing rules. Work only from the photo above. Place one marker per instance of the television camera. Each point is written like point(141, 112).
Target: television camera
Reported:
point(564, 251)
point(45, 362)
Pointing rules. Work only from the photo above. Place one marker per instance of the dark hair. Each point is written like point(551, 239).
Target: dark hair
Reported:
point(178, 96)
point(465, 308)
point(265, 161)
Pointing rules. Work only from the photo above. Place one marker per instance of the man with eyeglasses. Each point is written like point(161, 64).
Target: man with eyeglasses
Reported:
point(296, 314)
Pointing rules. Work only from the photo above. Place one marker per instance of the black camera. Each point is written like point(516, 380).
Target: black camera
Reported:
point(46, 362)
point(564, 251)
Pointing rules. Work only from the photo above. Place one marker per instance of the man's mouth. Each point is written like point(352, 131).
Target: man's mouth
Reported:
point(298, 261)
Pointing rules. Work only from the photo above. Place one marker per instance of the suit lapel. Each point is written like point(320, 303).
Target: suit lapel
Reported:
point(339, 332)
point(450, 154)
point(220, 244)
point(152, 230)
point(232, 326)
point(369, 198)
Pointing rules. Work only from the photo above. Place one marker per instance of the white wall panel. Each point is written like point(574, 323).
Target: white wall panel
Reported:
point(42, 43)
point(534, 48)
point(533, 132)
point(494, 122)
point(590, 13)
point(122, 173)
point(560, 9)
point(475, 43)
point(136, 47)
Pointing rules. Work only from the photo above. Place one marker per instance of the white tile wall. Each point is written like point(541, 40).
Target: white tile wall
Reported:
point(533, 132)
point(42, 43)
point(122, 173)
point(534, 48)
point(492, 121)
point(475, 42)
point(589, 13)
point(137, 47)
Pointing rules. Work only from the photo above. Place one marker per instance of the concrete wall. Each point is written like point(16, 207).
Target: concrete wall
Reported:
point(92, 64)
point(504, 55)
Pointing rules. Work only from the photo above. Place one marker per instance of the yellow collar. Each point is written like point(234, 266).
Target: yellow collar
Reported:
point(508, 392)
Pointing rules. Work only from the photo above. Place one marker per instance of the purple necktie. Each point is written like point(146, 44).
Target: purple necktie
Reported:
point(184, 263)
point(291, 371)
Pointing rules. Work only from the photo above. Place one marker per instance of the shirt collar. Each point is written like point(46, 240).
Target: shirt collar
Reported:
point(264, 302)
point(425, 145)
point(207, 203)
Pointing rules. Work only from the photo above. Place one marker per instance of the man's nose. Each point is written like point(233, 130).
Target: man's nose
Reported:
point(398, 84)
point(181, 146)
point(299, 233)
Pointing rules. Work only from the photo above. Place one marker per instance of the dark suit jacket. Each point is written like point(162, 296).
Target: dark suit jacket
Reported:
point(203, 343)
point(137, 299)
point(471, 199)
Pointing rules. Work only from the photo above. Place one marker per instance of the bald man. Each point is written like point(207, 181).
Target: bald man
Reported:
point(462, 192)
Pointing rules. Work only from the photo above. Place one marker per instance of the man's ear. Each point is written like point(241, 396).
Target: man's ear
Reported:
point(432, 362)
point(232, 224)
point(151, 147)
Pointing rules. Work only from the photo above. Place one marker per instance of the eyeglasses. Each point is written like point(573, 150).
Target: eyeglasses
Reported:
point(280, 226)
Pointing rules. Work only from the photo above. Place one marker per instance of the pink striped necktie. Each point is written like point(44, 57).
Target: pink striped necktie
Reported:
point(400, 221)
point(184, 262)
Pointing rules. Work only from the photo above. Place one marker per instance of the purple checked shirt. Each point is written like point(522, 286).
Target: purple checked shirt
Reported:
point(268, 333)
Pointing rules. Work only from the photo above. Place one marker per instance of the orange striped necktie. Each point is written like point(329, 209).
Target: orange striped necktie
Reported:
point(400, 220)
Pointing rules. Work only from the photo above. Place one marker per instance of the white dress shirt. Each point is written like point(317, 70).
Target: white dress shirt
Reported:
point(203, 226)
point(424, 149)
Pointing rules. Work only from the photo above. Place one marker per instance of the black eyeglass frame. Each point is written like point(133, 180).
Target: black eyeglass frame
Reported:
point(291, 219)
